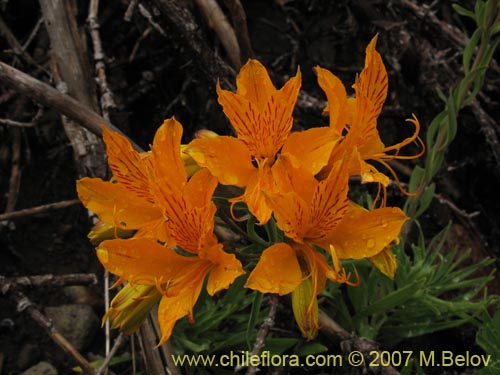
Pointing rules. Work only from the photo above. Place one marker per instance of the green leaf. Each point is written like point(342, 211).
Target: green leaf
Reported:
point(398, 297)
point(469, 50)
point(425, 199)
point(488, 336)
point(279, 345)
point(312, 348)
point(463, 11)
point(98, 363)
point(495, 28)
point(254, 317)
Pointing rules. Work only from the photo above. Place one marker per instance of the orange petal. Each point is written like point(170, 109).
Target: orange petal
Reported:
point(262, 125)
point(200, 188)
point(116, 205)
point(190, 227)
point(330, 201)
point(316, 266)
point(254, 84)
point(373, 79)
point(336, 96)
point(364, 123)
point(227, 269)
point(292, 214)
point(289, 174)
point(142, 261)
point(171, 309)
point(254, 196)
point(127, 165)
point(227, 158)
point(169, 167)
point(267, 279)
point(312, 147)
point(363, 233)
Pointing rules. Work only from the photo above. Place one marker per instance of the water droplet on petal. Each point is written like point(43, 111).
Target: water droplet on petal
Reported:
point(371, 243)
point(103, 256)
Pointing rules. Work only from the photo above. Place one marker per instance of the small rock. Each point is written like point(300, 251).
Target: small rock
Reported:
point(77, 323)
point(28, 355)
point(80, 294)
point(41, 368)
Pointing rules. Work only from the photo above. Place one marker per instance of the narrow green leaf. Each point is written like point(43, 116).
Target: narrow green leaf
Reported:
point(254, 316)
point(469, 50)
point(393, 299)
point(312, 348)
point(463, 11)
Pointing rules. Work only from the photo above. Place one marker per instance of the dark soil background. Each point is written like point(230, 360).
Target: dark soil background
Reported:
point(154, 76)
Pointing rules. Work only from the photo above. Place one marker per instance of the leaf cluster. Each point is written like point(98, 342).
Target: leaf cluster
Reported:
point(432, 291)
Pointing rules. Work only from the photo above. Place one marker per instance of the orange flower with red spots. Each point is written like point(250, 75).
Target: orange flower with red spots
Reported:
point(297, 182)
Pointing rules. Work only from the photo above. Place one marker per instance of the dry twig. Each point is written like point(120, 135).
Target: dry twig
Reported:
point(217, 20)
point(14, 44)
point(239, 18)
point(24, 304)
point(10, 283)
point(263, 332)
point(72, 68)
point(43, 209)
point(24, 84)
point(118, 343)
point(147, 14)
point(15, 172)
point(107, 100)
point(130, 10)
point(185, 26)
point(349, 341)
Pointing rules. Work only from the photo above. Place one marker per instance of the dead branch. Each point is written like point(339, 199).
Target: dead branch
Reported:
point(107, 100)
point(24, 84)
point(24, 304)
point(10, 283)
point(147, 14)
point(349, 341)
point(263, 332)
point(72, 67)
point(20, 124)
point(158, 360)
point(33, 33)
point(217, 20)
point(452, 32)
point(184, 25)
point(489, 128)
point(239, 19)
point(130, 10)
point(15, 172)
point(118, 343)
point(14, 44)
point(43, 209)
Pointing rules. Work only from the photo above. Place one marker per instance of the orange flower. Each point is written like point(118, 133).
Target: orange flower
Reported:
point(127, 202)
point(262, 118)
point(313, 213)
point(187, 212)
point(356, 119)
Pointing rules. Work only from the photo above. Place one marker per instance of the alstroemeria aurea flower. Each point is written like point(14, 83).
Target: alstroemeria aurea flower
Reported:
point(178, 268)
point(127, 202)
point(318, 213)
point(262, 118)
point(356, 120)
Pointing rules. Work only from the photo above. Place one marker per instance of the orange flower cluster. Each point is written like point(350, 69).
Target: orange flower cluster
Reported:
point(298, 179)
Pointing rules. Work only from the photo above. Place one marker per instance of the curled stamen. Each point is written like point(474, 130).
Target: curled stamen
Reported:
point(397, 147)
